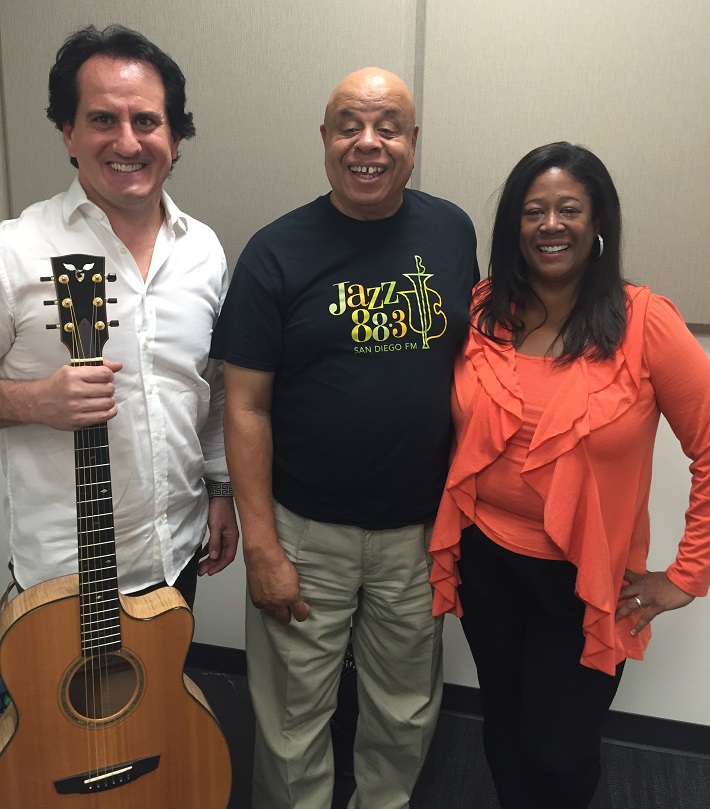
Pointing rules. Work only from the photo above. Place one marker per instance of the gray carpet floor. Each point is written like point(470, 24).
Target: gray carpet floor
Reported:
point(456, 776)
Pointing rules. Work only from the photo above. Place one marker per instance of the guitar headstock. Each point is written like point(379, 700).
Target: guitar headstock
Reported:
point(80, 284)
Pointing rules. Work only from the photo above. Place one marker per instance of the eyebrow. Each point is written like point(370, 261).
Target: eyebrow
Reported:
point(97, 111)
point(559, 199)
point(146, 113)
point(389, 112)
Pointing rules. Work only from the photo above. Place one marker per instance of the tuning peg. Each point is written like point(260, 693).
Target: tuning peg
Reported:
point(111, 300)
point(51, 303)
point(47, 278)
point(113, 323)
point(53, 326)
point(111, 276)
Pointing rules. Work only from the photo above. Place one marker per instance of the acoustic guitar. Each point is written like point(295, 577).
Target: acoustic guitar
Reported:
point(101, 716)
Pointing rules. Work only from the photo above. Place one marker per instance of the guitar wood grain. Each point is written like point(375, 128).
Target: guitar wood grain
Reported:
point(40, 743)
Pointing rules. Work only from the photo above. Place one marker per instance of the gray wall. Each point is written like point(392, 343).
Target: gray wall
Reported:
point(492, 79)
point(259, 74)
point(4, 201)
point(630, 79)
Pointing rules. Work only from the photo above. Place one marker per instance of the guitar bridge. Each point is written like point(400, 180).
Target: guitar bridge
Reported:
point(107, 778)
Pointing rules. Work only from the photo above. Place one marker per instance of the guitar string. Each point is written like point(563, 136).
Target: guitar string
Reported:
point(94, 623)
point(77, 352)
point(99, 443)
point(89, 472)
point(91, 554)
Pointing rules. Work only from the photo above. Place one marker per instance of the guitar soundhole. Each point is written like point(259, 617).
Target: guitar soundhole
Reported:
point(102, 687)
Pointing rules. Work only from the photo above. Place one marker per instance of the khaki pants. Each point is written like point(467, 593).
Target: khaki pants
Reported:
point(379, 580)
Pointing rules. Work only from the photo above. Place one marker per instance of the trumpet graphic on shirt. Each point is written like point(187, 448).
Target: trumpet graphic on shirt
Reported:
point(424, 305)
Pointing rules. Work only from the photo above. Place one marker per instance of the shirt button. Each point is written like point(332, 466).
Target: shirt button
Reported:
point(158, 436)
point(124, 251)
point(151, 389)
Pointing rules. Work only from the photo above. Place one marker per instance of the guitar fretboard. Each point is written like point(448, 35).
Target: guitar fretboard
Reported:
point(98, 583)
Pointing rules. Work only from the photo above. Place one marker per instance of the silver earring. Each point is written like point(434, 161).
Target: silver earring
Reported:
point(601, 246)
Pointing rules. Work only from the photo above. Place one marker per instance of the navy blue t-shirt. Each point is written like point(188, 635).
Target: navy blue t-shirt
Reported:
point(360, 321)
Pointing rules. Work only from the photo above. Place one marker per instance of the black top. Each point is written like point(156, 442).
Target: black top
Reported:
point(360, 321)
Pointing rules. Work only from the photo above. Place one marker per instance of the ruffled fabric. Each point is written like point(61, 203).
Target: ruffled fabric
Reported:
point(488, 407)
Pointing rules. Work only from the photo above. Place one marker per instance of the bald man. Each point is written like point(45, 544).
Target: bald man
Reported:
point(339, 333)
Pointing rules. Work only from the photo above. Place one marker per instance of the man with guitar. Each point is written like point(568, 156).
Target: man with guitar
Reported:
point(119, 102)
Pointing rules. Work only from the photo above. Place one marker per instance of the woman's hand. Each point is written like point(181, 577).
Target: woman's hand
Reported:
point(652, 593)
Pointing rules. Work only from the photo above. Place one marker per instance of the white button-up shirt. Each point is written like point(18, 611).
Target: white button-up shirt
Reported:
point(167, 435)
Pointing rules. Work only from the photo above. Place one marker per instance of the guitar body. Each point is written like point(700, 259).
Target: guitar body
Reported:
point(62, 732)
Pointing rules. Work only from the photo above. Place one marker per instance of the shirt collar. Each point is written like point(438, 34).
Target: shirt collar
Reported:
point(76, 200)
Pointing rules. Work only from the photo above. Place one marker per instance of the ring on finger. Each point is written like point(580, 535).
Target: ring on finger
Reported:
point(638, 601)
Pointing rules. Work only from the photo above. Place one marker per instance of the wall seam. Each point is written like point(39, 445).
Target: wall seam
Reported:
point(418, 89)
point(4, 152)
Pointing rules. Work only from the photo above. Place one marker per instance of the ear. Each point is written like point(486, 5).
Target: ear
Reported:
point(323, 133)
point(68, 133)
point(415, 135)
point(174, 143)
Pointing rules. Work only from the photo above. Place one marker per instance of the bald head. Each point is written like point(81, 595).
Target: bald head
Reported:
point(371, 84)
point(370, 136)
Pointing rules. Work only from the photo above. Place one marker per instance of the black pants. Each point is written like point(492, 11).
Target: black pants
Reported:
point(186, 582)
point(543, 711)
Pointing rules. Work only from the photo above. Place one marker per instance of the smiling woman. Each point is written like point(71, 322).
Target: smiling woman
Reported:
point(557, 229)
point(557, 400)
point(569, 294)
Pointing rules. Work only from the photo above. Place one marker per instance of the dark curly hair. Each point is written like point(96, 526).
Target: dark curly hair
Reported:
point(123, 43)
point(597, 323)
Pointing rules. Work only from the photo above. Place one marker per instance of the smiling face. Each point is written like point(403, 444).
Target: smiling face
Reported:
point(557, 228)
point(121, 137)
point(370, 137)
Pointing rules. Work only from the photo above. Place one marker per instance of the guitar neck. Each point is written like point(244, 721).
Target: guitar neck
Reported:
point(98, 582)
point(79, 282)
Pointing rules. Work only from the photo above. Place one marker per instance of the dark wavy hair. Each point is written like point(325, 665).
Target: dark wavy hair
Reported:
point(597, 323)
point(123, 43)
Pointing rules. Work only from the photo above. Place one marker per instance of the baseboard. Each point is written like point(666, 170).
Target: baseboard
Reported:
point(224, 659)
point(620, 727)
point(624, 728)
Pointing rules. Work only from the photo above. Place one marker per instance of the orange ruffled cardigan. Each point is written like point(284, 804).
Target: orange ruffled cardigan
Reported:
point(590, 462)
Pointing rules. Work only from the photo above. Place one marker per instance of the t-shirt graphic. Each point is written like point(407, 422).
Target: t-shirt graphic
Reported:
point(392, 317)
